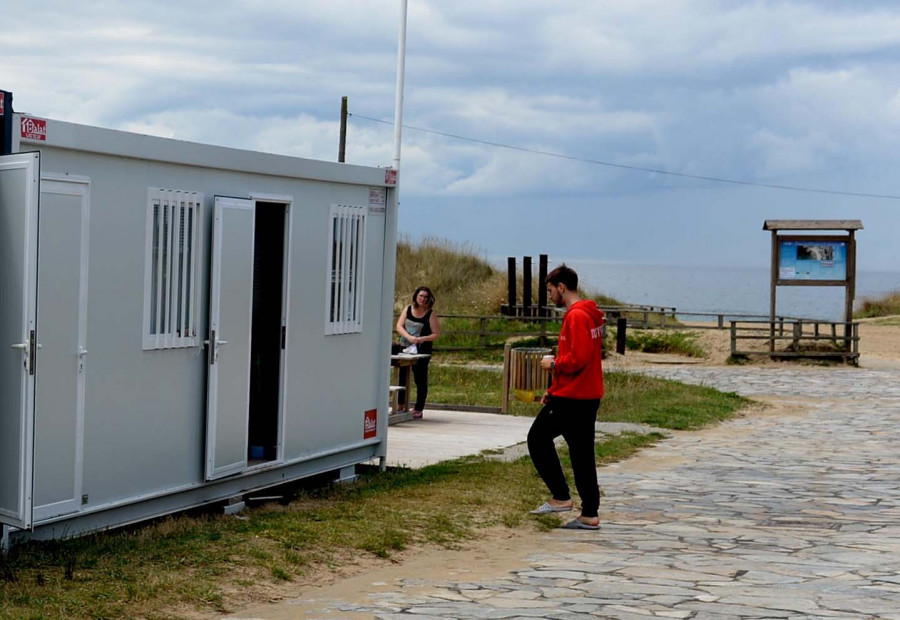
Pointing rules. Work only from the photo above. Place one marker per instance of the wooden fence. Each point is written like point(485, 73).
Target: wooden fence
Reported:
point(801, 335)
point(796, 338)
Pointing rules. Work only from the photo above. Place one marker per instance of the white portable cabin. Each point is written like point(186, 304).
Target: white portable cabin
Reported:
point(182, 323)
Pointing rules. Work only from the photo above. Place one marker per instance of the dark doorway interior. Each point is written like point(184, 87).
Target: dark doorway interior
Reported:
point(266, 335)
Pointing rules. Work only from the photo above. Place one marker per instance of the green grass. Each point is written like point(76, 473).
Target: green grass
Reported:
point(885, 305)
point(678, 342)
point(666, 404)
point(629, 397)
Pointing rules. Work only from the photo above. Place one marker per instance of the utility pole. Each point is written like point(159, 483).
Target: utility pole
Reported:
point(342, 147)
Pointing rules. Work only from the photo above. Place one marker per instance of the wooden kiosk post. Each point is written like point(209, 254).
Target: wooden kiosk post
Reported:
point(814, 260)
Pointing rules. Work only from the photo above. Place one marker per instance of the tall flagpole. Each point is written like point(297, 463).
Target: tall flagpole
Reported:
point(389, 264)
point(401, 67)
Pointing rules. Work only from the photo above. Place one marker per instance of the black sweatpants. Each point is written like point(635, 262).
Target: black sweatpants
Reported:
point(420, 376)
point(574, 420)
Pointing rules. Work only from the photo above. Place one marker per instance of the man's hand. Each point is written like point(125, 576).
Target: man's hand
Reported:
point(545, 398)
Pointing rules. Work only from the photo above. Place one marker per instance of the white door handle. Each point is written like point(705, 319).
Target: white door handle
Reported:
point(221, 342)
point(22, 346)
point(82, 352)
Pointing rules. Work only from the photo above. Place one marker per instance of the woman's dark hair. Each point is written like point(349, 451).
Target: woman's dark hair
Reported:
point(430, 297)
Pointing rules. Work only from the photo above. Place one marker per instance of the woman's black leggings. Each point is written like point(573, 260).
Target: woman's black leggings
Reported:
point(420, 376)
point(574, 420)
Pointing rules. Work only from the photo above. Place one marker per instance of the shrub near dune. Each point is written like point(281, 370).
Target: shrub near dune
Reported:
point(886, 305)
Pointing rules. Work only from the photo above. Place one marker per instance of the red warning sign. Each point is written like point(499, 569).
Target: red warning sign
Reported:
point(370, 423)
point(34, 129)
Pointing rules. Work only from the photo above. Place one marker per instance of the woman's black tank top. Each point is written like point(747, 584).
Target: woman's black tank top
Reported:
point(425, 330)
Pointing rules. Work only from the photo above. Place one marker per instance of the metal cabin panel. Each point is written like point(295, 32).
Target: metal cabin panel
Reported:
point(62, 322)
point(19, 196)
point(332, 378)
point(145, 419)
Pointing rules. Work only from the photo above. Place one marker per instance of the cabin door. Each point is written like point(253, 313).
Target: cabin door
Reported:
point(62, 324)
point(228, 348)
point(19, 204)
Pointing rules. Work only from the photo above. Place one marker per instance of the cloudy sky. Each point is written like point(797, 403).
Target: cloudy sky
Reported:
point(800, 94)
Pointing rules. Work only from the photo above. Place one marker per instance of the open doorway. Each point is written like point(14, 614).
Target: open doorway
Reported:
point(267, 332)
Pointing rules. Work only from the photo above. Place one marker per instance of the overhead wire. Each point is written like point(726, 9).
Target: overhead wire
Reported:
point(700, 177)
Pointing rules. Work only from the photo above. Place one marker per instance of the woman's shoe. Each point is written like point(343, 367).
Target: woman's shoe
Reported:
point(417, 415)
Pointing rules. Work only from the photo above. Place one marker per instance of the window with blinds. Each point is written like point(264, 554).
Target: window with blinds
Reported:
point(346, 265)
point(171, 268)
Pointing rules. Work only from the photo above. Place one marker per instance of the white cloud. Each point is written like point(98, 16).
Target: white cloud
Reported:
point(789, 92)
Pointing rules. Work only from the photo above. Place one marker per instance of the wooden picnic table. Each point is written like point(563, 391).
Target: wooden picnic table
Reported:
point(402, 413)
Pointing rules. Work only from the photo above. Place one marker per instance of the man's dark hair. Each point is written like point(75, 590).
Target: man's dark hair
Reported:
point(563, 275)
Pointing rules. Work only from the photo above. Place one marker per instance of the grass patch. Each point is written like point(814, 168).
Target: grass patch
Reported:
point(678, 342)
point(666, 404)
point(629, 397)
point(620, 447)
point(885, 305)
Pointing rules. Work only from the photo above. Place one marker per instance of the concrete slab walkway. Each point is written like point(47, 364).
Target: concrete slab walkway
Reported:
point(446, 435)
point(794, 513)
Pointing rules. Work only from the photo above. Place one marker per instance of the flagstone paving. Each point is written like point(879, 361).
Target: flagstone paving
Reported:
point(764, 516)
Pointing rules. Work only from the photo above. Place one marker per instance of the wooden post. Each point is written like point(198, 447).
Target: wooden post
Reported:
point(772, 288)
point(526, 286)
point(482, 331)
point(850, 290)
point(511, 285)
point(621, 327)
point(342, 147)
point(504, 398)
point(733, 337)
point(721, 321)
point(542, 285)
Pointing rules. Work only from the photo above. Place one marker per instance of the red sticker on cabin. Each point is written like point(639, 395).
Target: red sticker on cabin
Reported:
point(34, 129)
point(2, 100)
point(370, 423)
point(390, 177)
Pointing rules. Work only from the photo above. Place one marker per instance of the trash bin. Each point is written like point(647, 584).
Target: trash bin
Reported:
point(523, 377)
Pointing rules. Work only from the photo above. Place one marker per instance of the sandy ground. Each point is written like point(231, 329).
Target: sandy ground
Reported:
point(879, 345)
point(500, 549)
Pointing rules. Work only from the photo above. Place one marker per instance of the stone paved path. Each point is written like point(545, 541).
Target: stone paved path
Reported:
point(767, 516)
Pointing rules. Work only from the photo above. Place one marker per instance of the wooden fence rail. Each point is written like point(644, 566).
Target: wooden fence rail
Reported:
point(637, 317)
point(799, 337)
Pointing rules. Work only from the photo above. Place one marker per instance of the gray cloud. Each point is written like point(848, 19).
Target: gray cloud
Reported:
point(795, 93)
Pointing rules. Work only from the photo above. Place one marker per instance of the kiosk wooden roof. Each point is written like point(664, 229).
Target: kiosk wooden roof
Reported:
point(812, 225)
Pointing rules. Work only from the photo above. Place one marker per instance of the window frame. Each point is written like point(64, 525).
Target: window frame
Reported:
point(176, 215)
point(345, 269)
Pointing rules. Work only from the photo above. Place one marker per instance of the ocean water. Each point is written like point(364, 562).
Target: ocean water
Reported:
point(723, 289)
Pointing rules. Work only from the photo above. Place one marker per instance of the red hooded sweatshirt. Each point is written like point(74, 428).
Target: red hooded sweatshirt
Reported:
point(579, 372)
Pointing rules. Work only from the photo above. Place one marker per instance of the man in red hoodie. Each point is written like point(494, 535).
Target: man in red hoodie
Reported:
point(571, 403)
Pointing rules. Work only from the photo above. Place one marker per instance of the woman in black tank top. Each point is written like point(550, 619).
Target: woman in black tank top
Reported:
point(418, 325)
